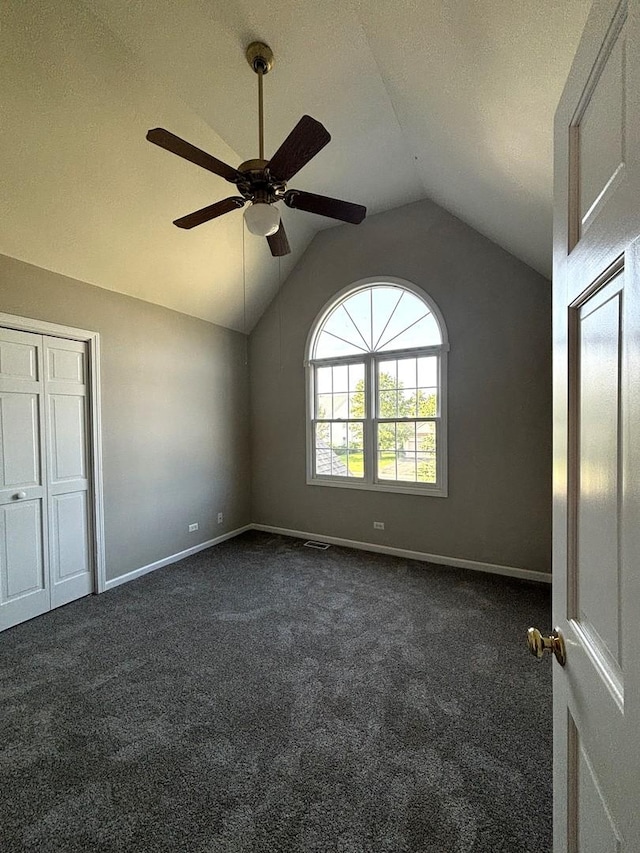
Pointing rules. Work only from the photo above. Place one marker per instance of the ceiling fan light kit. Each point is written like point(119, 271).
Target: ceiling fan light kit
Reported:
point(263, 183)
point(262, 218)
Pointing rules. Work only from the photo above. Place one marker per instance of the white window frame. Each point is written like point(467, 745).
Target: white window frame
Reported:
point(369, 481)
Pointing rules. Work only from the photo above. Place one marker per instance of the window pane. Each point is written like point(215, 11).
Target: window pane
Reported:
point(341, 378)
point(355, 456)
point(328, 346)
point(424, 333)
point(387, 465)
point(426, 468)
point(407, 467)
point(355, 436)
point(407, 373)
point(341, 406)
point(357, 405)
point(426, 437)
point(407, 403)
point(385, 300)
point(427, 400)
point(339, 437)
point(388, 374)
point(387, 383)
point(426, 452)
point(342, 326)
point(356, 377)
point(338, 450)
point(323, 441)
point(324, 406)
point(323, 380)
point(359, 308)
point(428, 371)
point(408, 310)
point(388, 404)
point(387, 436)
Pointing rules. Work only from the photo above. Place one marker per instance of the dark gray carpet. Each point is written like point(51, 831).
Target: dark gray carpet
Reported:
point(261, 696)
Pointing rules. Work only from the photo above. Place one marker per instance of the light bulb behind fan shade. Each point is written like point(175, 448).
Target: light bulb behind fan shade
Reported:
point(262, 219)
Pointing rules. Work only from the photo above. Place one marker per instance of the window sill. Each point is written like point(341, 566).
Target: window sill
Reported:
point(423, 491)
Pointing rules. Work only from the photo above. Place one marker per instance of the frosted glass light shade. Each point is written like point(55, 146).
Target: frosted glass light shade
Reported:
point(262, 219)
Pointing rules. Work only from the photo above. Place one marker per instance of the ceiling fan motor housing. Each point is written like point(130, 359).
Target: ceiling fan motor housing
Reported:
point(258, 184)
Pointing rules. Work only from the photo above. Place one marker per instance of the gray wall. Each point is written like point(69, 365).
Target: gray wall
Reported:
point(498, 314)
point(174, 408)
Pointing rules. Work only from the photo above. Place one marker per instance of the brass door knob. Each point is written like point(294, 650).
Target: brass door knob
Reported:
point(538, 644)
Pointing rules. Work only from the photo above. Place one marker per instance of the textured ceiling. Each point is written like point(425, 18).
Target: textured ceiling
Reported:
point(449, 100)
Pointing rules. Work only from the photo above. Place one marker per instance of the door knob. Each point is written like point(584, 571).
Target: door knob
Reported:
point(20, 495)
point(538, 644)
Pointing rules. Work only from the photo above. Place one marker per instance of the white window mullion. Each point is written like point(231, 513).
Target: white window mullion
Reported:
point(368, 422)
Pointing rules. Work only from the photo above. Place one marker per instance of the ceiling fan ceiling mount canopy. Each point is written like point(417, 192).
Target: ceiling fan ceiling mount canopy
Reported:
point(260, 57)
point(262, 182)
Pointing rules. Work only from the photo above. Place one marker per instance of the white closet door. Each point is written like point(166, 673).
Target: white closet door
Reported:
point(24, 581)
point(69, 495)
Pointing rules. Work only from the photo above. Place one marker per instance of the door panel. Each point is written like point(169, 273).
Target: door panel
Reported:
point(601, 128)
point(22, 563)
point(18, 358)
point(70, 544)
point(67, 437)
point(595, 830)
point(596, 487)
point(66, 364)
point(597, 359)
point(19, 444)
point(24, 587)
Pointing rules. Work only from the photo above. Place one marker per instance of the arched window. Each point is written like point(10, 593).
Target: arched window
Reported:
point(376, 361)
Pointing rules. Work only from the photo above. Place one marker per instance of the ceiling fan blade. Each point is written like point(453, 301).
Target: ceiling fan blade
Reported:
point(278, 242)
point(305, 140)
point(210, 212)
point(170, 142)
point(347, 211)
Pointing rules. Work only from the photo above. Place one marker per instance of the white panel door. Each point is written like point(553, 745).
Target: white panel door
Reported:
point(596, 572)
point(69, 494)
point(24, 571)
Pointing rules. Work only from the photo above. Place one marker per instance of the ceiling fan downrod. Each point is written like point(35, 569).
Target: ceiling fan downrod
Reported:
point(260, 58)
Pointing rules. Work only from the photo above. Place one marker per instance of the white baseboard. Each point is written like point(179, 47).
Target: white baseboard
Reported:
point(493, 568)
point(166, 561)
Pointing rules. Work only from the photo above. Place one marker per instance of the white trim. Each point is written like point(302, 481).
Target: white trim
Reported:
point(396, 486)
point(40, 327)
point(174, 558)
point(92, 339)
point(459, 562)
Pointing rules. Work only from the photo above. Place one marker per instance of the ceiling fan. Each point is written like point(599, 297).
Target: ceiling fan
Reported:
point(262, 182)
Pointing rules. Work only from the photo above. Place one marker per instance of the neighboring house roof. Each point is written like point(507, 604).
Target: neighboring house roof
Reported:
point(326, 458)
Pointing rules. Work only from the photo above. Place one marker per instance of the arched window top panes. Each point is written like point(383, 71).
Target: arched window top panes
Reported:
point(376, 318)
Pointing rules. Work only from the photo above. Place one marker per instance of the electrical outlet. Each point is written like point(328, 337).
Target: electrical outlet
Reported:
point(193, 527)
point(378, 525)
point(220, 518)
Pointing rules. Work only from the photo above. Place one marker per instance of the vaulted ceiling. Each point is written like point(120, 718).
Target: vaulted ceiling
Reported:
point(449, 100)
